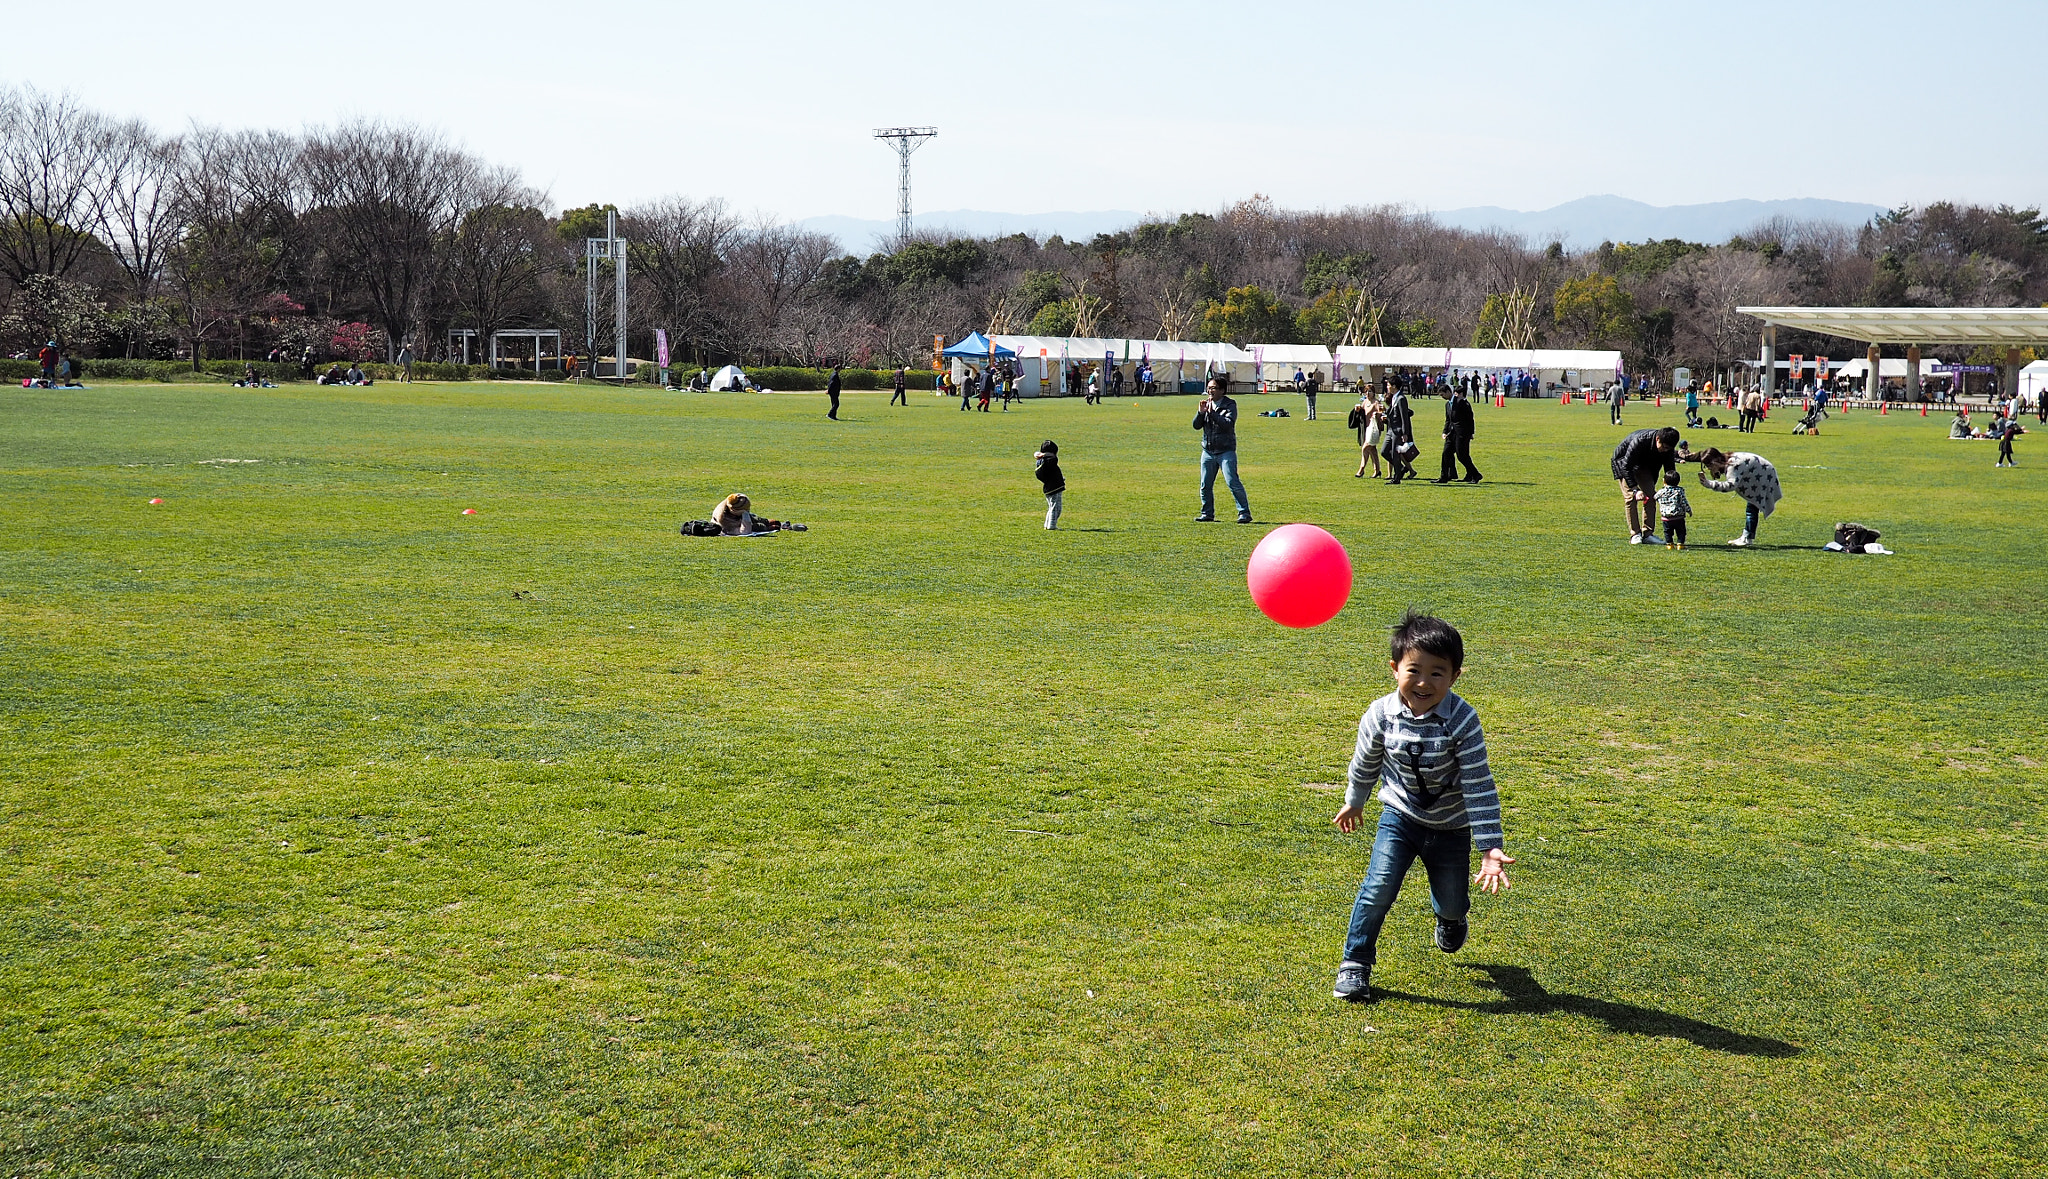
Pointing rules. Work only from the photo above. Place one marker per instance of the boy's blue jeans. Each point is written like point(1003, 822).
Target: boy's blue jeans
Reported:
point(1398, 843)
point(1227, 463)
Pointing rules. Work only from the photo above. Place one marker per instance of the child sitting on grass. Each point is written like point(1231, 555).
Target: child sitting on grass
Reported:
point(1054, 483)
point(1423, 748)
point(1673, 508)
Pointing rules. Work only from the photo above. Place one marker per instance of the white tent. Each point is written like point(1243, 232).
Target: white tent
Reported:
point(1277, 363)
point(1045, 360)
point(2033, 383)
point(1561, 366)
point(730, 377)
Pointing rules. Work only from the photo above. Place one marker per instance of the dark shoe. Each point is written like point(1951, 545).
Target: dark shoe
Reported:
point(1439, 480)
point(1244, 519)
point(1450, 935)
point(1354, 983)
point(1205, 519)
point(1474, 478)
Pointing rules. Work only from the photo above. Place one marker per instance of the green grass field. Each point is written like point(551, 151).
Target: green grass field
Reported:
point(341, 833)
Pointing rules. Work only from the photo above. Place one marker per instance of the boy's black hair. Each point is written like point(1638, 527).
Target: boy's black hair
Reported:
point(1049, 447)
point(1431, 635)
point(1668, 436)
point(1671, 478)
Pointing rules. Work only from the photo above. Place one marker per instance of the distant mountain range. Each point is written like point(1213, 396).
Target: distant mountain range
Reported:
point(864, 237)
point(1588, 221)
point(1579, 224)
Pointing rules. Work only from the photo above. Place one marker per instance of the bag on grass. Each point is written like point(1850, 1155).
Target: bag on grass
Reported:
point(701, 528)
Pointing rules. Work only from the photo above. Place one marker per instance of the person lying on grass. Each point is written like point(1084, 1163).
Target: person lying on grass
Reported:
point(1423, 748)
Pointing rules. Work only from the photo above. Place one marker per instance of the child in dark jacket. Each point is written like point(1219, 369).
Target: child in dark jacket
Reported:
point(1049, 477)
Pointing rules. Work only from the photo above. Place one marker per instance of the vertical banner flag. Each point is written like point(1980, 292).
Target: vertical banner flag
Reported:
point(1108, 366)
point(1820, 368)
point(1793, 372)
point(938, 346)
point(1258, 366)
point(660, 353)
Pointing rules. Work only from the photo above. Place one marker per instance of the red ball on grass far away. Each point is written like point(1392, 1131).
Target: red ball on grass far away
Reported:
point(469, 511)
point(1300, 576)
point(156, 501)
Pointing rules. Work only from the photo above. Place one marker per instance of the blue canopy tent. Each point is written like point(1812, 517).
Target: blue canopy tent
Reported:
point(976, 347)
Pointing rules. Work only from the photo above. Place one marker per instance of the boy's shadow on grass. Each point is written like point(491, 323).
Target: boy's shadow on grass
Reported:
point(1521, 994)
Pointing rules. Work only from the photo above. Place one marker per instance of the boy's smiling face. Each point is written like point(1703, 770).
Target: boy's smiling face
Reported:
point(1422, 679)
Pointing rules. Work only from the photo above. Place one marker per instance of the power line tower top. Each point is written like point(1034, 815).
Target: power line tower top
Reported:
point(905, 140)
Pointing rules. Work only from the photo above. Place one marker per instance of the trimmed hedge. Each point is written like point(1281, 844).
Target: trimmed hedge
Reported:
point(782, 378)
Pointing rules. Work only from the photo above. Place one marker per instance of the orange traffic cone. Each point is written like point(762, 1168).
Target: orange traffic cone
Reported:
point(1660, 401)
point(1884, 408)
point(1923, 409)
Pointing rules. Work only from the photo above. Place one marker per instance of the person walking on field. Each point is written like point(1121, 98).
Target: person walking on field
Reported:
point(1458, 430)
point(1400, 436)
point(832, 391)
point(902, 388)
point(1617, 393)
point(2008, 429)
point(967, 389)
point(1369, 418)
point(405, 362)
point(1216, 418)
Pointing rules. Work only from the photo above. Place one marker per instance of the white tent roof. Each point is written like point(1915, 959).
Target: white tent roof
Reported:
point(2034, 378)
point(1886, 367)
point(1533, 359)
point(729, 377)
point(1289, 354)
point(1096, 347)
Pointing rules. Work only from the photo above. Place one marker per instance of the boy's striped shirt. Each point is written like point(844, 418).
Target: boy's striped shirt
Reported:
point(1431, 768)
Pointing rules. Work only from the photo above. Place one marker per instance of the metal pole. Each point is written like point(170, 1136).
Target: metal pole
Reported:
point(618, 250)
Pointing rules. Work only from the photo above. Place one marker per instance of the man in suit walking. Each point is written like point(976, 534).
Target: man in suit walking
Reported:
point(1458, 430)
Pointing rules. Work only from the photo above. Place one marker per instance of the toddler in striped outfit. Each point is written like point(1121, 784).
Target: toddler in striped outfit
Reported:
point(1423, 749)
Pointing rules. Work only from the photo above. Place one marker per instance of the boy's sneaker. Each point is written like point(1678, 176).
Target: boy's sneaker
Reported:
point(1635, 538)
point(1670, 545)
point(1205, 519)
point(1741, 542)
point(1450, 935)
point(1353, 983)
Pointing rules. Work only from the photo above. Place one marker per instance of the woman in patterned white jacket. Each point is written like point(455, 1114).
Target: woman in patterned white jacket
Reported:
point(1750, 476)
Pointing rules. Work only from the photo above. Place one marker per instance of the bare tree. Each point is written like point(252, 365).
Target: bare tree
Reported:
point(140, 215)
point(238, 198)
point(492, 260)
point(53, 157)
point(390, 194)
point(679, 247)
point(771, 267)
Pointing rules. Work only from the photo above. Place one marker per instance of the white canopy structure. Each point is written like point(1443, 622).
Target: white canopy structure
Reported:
point(729, 377)
point(1573, 366)
point(2034, 382)
point(1045, 360)
point(1279, 362)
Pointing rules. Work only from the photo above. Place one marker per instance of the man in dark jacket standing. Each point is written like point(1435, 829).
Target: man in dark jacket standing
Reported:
point(1639, 463)
point(832, 391)
point(902, 388)
point(1216, 418)
point(1458, 430)
point(1400, 433)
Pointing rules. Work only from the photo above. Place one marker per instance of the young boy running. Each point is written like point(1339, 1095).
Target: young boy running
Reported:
point(1424, 749)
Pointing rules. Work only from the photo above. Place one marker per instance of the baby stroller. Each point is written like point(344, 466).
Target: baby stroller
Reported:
point(1810, 424)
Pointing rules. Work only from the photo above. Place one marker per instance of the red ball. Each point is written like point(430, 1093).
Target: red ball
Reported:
point(1299, 575)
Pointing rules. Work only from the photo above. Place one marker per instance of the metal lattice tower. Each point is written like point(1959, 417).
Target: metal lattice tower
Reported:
point(905, 140)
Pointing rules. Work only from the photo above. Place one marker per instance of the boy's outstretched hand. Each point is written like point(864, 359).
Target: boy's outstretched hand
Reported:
point(1347, 819)
point(1493, 871)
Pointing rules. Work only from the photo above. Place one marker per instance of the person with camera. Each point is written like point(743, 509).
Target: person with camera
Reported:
point(1216, 418)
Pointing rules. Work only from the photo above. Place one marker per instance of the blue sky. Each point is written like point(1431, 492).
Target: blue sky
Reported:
point(1152, 107)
